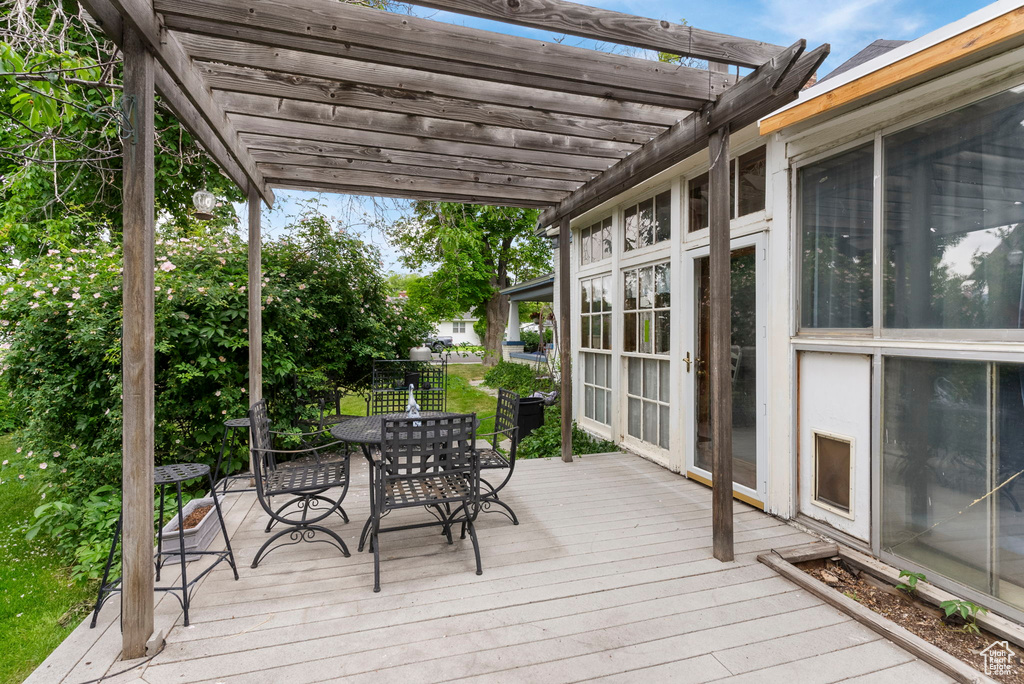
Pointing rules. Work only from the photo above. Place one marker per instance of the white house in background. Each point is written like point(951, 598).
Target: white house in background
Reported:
point(878, 309)
point(460, 329)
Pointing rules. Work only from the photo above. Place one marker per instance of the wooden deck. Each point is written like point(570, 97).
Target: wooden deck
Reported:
point(609, 576)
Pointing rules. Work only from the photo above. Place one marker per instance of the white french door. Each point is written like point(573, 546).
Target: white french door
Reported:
point(748, 352)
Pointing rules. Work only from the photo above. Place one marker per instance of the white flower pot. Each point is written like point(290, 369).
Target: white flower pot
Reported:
point(196, 539)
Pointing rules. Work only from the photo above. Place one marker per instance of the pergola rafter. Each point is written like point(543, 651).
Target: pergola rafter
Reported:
point(337, 29)
point(323, 95)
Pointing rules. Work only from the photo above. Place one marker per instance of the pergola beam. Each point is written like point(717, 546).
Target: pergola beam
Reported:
point(139, 15)
point(270, 149)
point(388, 182)
point(340, 29)
point(350, 136)
point(600, 24)
point(297, 111)
point(286, 165)
point(766, 89)
point(233, 79)
point(398, 82)
point(479, 197)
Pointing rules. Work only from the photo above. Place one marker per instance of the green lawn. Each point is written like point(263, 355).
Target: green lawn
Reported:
point(36, 591)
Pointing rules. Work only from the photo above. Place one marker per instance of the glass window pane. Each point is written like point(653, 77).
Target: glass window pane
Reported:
point(836, 229)
point(632, 230)
point(600, 396)
point(588, 401)
point(662, 337)
point(663, 427)
point(650, 379)
point(634, 418)
point(585, 296)
point(635, 373)
point(584, 247)
point(600, 376)
point(606, 331)
point(646, 333)
point(698, 198)
point(595, 332)
point(629, 332)
point(589, 373)
point(650, 422)
point(954, 219)
point(664, 382)
point(752, 181)
point(606, 288)
point(646, 288)
point(646, 210)
point(629, 291)
point(936, 461)
point(606, 238)
point(585, 331)
point(662, 285)
point(663, 216)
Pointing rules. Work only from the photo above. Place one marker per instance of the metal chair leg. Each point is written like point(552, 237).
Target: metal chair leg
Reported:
point(181, 553)
point(476, 545)
point(100, 599)
point(160, 536)
point(223, 528)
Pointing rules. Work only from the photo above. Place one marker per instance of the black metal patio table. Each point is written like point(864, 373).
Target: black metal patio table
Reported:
point(366, 432)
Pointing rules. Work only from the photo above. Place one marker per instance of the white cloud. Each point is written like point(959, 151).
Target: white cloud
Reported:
point(848, 26)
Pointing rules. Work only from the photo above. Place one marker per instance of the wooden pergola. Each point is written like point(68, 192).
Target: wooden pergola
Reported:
point(322, 95)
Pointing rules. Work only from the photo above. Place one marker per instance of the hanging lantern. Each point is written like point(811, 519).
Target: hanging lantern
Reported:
point(204, 202)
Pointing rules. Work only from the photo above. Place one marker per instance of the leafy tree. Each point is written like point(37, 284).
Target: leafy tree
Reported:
point(472, 251)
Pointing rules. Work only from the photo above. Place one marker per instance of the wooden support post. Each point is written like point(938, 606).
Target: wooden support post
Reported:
point(255, 298)
point(138, 363)
point(721, 346)
point(564, 338)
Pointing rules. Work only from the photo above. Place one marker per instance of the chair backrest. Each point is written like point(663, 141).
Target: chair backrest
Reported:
point(506, 419)
point(260, 441)
point(410, 450)
point(391, 380)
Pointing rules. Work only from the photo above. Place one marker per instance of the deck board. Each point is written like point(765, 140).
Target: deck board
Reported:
point(608, 577)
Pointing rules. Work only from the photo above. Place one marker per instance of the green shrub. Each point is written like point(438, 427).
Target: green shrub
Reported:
point(521, 378)
point(531, 339)
point(326, 316)
point(546, 441)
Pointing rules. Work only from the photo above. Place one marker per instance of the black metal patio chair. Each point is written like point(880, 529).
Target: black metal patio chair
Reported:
point(389, 387)
point(496, 459)
point(305, 478)
point(427, 463)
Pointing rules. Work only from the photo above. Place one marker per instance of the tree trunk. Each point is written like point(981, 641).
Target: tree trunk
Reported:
point(496, 318)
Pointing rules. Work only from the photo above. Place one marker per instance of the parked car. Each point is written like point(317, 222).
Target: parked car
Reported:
point(438, 343)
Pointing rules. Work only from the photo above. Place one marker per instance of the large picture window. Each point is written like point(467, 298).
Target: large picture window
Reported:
point(648, 222)
point(646, 307)
point(596, 242)
point(836, 232)
point(952, 448)
point(953, 235)
point(647, 388)
point(595, 313)
point(597, 382)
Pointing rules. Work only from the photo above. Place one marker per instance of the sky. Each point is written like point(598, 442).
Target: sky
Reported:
point(847, 25)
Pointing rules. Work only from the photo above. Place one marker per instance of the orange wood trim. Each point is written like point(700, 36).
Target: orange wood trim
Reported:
point(735, 494)
point(985, 36)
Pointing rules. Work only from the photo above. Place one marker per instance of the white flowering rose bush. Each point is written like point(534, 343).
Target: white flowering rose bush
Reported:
point(325, 317)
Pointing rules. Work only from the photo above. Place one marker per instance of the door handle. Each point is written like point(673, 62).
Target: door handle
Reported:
point(688, 361)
